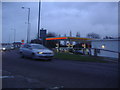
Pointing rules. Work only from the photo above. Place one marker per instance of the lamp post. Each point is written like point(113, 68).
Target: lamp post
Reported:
point(39, 18)
point(28, 29)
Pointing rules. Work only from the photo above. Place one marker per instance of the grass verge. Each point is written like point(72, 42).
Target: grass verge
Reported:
point(68, 56)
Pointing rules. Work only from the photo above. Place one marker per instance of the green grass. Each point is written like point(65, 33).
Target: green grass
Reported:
point(68, 56)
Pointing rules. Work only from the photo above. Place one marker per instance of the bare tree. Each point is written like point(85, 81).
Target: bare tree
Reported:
point(51, 43)
point(51, 34)
point(93, 35)
point(108, 37)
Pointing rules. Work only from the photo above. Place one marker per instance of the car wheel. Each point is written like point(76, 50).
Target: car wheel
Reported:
point(21, 54)
point(33, 56)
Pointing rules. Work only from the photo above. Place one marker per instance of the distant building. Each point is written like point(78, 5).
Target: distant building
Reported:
point(110, 47)
point(77, 34)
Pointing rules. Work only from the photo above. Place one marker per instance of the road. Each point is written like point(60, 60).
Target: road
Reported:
point(27, 73)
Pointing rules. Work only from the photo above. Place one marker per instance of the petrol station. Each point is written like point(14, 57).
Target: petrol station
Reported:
point(70, 42)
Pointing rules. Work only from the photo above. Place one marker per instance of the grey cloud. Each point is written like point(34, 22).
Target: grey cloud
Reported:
point(89, 17)
point(61, 17)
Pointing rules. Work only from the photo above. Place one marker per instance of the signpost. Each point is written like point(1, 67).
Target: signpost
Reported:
point(22, 42)
point(43, 36)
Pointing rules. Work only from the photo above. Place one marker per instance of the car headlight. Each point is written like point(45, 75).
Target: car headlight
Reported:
point(40, 52)
point(4, 48)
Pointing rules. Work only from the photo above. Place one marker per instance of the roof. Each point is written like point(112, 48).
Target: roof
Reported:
point(71, 38)
point(31, 44)
point(106, 40)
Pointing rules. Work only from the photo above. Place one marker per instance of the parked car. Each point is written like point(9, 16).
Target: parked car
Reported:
point(36, 51)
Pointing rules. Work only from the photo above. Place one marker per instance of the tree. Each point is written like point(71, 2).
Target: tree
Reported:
point(51, 43)
point(108, 37)
point(36, 41)
point(51, 34)
point(93, 35)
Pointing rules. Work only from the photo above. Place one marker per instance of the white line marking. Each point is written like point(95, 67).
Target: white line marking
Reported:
point(6, 76)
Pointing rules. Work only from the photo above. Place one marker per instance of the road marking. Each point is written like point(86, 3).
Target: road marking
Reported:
point(30, 80)
point(6, 77)
point(57, 87)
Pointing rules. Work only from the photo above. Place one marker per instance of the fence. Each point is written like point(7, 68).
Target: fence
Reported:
point(94, 52)
point(100, 52)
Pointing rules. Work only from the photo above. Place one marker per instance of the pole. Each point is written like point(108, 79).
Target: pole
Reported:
point(9, 38)
point(28, 33)
point(14, 35)
point(39, 19)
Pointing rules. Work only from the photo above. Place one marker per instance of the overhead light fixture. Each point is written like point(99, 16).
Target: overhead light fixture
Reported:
point(103, 46)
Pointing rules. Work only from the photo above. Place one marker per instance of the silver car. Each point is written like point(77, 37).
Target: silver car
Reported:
point(36, 51)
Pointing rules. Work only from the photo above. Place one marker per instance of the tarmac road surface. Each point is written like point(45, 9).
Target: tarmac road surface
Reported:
point(27, 73)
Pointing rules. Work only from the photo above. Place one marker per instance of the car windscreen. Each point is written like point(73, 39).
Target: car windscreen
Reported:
point(38, 47)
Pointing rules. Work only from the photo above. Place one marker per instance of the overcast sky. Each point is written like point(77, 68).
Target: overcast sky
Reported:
point(60, 17)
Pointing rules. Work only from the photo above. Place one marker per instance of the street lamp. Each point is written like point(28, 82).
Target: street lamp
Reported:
point(39, 17)
point(28, 31)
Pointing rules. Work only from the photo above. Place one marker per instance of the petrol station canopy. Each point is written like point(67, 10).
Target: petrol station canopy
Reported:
point(69, 38)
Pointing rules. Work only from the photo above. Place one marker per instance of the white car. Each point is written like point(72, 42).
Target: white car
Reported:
point(36, 51)
point(5, 47)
